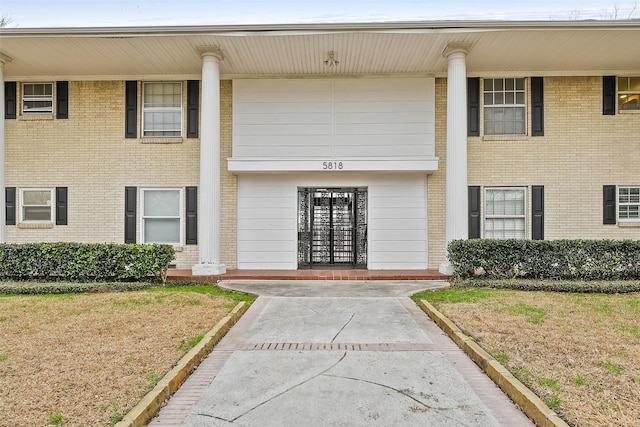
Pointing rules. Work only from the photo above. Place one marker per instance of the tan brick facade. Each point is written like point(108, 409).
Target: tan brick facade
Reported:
point(581, 151)
point(89, 154)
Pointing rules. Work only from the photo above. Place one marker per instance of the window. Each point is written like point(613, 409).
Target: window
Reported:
point(629, 93)
point(162, 110)
point(36, 205)
point(161, 218)
point(504, 106)
point(505, 213)
point(629, 203)
point(37, 98)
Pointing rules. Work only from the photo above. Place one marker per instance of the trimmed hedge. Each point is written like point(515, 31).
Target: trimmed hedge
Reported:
point(53, 288)
point(548, 285)
point(85, 262)
point(546, 259)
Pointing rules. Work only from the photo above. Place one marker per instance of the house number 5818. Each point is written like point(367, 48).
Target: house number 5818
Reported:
point(332, 165)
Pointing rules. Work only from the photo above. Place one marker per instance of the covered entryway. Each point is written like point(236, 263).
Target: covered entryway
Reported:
point(332, 227)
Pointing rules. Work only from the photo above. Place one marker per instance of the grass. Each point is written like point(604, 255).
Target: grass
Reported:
point(501, 357)
point(578, 352)
point(57, 418)
point(535, 315)
point(455, 296)
point(187, 345)
point(612, 368)
point(98, 353)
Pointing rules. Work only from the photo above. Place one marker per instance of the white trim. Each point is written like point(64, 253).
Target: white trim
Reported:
point(618, 204)
point(524, 215)
point(44, 98)
point(180, 216)
point(51, 205)
point(172, 109)
point(238, 165)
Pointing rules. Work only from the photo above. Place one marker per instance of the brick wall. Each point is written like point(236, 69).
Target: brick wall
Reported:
point(581, 151)
point(88, 154)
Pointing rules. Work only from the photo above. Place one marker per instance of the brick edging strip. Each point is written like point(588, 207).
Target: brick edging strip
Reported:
point(530, 404)
point(151, 403)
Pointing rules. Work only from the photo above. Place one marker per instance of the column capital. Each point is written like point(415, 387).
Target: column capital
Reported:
point(452, 48)
point(214, 51)
point(4, 58)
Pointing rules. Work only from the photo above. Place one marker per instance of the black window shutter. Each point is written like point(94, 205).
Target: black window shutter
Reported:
point(130, 199)
point(10, 100)
point(10, 205)
point(193, 108)
point(473, 106)
point(609, 95)
point(191, 225)
point(537, 204)
point(61, 205)
point(537, 106)
point(474, 212)
point(608, 204)
point(131, 109)
point(62, 100)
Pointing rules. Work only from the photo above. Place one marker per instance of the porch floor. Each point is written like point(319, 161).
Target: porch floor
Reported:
point(312, 275)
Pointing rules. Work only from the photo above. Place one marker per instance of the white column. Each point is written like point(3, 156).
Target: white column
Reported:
point(4, 59)
point(456, 174)
point(209, 194)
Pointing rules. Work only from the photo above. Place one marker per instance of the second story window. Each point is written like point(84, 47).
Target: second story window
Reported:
point(629, 93)
point(37, 98)
point(504, 106)
point(162, 109)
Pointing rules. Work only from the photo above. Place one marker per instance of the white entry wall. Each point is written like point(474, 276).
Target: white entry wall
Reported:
point(268, 215)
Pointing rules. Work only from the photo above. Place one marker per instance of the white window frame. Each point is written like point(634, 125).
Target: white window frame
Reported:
point(486, 216)
point(50, 205)
point(628, 203)
point(179, 217)
point(496, 103)
point(41, 98)
point(149, 133)
point(628, 95)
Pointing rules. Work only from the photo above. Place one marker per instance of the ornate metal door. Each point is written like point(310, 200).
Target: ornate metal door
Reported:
point(332, 227)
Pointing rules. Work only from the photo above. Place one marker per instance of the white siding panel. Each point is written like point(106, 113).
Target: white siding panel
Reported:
point(392, 213)
point(266, 223)
point(259, 201)
point(245, 235)
point(283, 151)
point(398, 235)
point(398, 223)
point(323, 118)
point(257, 246)
point(282, 119)
point(382, 107)
point(267, 218)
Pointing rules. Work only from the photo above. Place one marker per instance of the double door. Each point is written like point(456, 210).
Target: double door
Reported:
point(332, 227)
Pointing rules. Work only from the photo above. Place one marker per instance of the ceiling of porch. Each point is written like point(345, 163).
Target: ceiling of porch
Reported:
point(541, 48)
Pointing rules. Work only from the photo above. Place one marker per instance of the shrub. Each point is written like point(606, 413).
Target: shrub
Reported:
point(85, 262)
point(546, 259)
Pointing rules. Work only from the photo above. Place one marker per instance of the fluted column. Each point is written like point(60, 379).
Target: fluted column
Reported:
point(456, 175)
point(4, 59)
point(209, 197)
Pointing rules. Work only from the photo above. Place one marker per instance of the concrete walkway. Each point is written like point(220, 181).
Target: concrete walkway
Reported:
point(337, 354)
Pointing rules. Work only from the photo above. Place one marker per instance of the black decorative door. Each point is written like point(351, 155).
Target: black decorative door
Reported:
point(332, 227)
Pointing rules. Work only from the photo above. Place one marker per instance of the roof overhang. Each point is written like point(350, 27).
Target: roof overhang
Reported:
point(374, 49)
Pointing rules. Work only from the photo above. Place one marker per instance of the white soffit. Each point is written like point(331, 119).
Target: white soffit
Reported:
point(577, 47)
